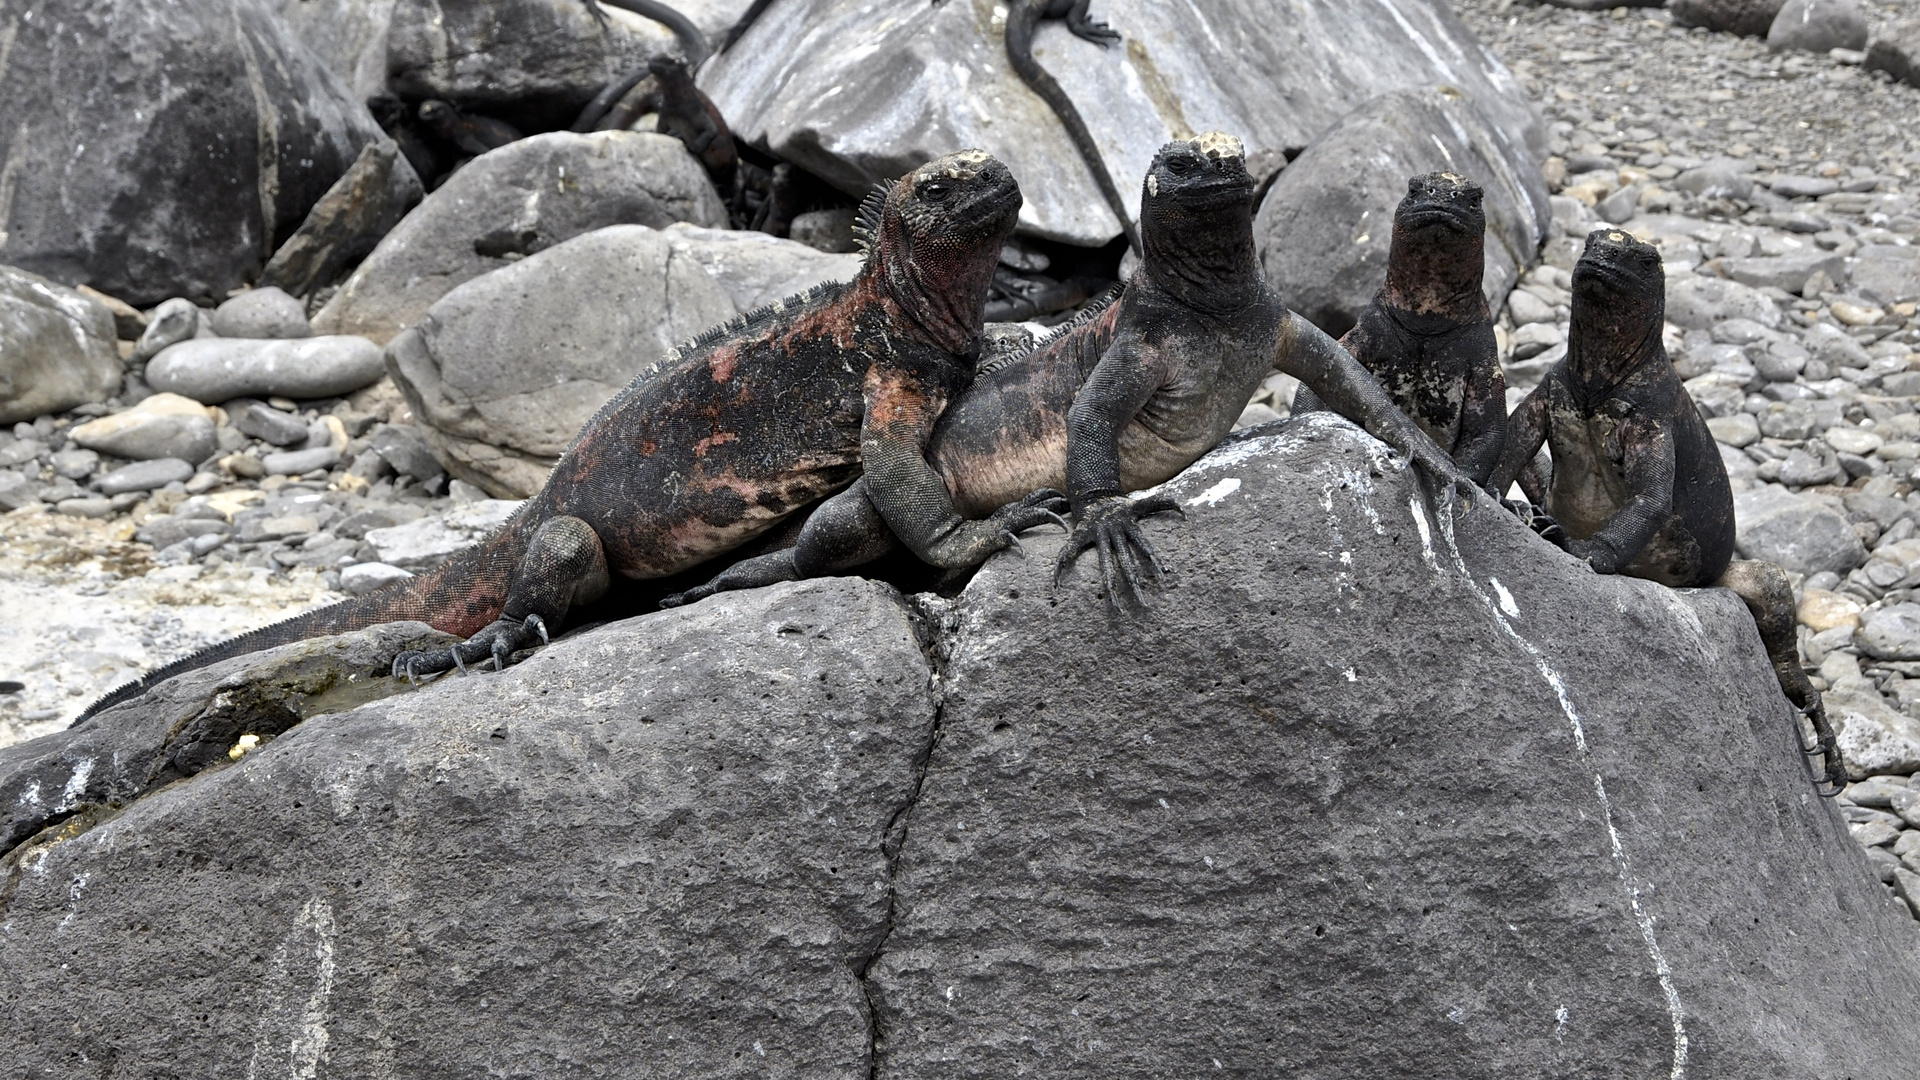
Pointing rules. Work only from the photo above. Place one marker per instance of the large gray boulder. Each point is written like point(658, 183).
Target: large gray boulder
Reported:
point(1326, 225)
point(928, 79)
point(368, 200)
point(57, 347)
point(511, 203)
point(1368, 790)
point(546, 56)
point(506, 369)
point(159, 148)
point(349, 36)
point(1819, 25)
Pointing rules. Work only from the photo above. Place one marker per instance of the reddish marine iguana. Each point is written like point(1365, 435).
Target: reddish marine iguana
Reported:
point(751, 422)
point(1637, 484)
point(1124, 397)
point(1428, 334)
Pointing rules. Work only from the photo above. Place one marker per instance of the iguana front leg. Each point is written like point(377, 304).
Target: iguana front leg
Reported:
point(1649, 461)
point(1107, 521)
point(564, 565)
point(1305, 352)
point(913, 499)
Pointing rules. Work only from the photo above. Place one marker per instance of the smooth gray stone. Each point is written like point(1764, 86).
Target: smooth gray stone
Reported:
point(1786, 272)
point(1326, 225)
point(168, 531)
point(1818, 26)
point(213, 370)
point(1803, 535)
point(174, 321)
point(1891, 632)
point(295, 462)
point(268, 424)
point(85, 507)
point(518, 200)
point(264, 312)
point(208, 129)
point(348, 221)
point(1804, 187)
point(75, 464)
point(1697, 302)
point(1749, 18)
point(1895, 49)
point(1714, 181)
point(1833, 345)
point(58, 348)
point(146, 436)
point(144, 476)
point(16, 490)
point(1886, 273)
point(406, 449)
point(1278, 81)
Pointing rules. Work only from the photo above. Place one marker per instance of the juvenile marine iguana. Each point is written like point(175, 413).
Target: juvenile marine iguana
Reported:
point(1428, 334)
point(752, 421)
point(1637, 484)
point(1124, 397)
point(472, 133)
point(685, 113)
point(1022, 17)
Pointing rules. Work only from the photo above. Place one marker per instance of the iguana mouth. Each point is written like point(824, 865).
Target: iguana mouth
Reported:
point(988, 211)
point(1214, 193)
point(1446, 215)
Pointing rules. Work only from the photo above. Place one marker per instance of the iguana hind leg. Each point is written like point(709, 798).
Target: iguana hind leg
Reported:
point(842, 533)
point(564, 565)
point(1769, 596)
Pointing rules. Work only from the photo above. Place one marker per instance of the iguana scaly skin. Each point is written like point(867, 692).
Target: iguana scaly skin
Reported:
point(1637, 486)
point(1127, 395)
point(751, 422)
point(1428, 334)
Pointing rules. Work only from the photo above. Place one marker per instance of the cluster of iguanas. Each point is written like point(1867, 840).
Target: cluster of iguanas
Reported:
point(872, 412)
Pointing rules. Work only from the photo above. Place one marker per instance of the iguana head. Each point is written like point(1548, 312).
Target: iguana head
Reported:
point(934, 236)
point(1439, 249)
point(1196, 220)
point(1619, 306)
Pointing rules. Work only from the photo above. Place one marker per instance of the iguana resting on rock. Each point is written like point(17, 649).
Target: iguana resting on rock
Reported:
point(1637, 484)
point(1428, 334)
point(751, 422)
point(1124, 397)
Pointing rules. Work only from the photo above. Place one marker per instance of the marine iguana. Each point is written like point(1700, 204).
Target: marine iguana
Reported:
point(1428, 334)
point(1123, 398)
point(685, 113)
point(1022, 17)
point(472, 133)
point(754, 420)
point(1637, 486)
point(689, 35)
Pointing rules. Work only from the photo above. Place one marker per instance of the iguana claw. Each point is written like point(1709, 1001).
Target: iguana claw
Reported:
point(497, 641)
point(1110, 526)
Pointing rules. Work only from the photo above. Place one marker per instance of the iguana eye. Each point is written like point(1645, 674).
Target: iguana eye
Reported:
point(936, 190)
point(1181, 164)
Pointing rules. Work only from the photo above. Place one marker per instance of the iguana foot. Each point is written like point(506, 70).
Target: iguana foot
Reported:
point(1825, 744)
point(969, 543)
point(498, 641)
point(1095, 31)
point(1110, 526)
point(1538, 520)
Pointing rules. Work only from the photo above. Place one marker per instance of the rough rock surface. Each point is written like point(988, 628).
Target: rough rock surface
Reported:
point(513, 202)
point(162, 426)
point(349, 36)
point(208, 131)
point(506, 369)
point(1271, 823)
point(56, 347)
point(1895, 49)
point(368, 200)
point(797, 84)
point(711, 829)
point(1325, 226)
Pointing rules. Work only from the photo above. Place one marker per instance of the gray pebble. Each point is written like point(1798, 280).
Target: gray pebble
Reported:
point(406, 450)
point(144, 476)
point(144, 436)
point(1891, 633)
point(1803, 187)
point(221, 369)
point(86, 508)
point(362, 578)
point(262, 313)
point(75, 464)
point(268, 424)
point(295, 462)
point(16, 490)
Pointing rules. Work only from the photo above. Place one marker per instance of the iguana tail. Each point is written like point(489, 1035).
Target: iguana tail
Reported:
point(1020, 25)
point(460, 596)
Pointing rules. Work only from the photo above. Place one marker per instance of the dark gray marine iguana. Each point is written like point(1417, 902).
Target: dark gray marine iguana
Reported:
point(1428, 334)
point(1124, 397)
point(754, 420)
point(1637, 486)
